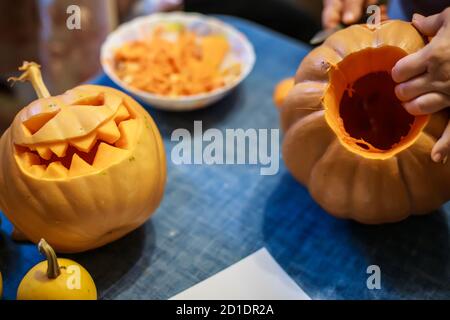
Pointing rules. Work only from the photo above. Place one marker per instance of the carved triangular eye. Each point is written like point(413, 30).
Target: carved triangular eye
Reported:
point(91, 100)
point(37, 121)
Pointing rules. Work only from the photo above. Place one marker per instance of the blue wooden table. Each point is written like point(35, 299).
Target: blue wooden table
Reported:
point(213, 216)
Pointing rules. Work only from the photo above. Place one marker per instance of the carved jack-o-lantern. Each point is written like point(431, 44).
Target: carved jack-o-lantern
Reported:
point(80, 169)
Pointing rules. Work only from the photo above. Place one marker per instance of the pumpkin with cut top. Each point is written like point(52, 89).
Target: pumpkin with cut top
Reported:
point(349, 139)
point(80, 169)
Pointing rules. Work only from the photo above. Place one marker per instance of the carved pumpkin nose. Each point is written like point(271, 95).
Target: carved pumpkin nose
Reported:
point(83, 168)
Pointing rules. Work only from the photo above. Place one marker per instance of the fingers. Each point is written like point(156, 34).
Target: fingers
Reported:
point(428, 26)
point(420, 85)
point(427, 103)
point(331, 14)
point(441, 149)
point(413, 88)
point(347, 11)
point(410, 66)
point(353, 10)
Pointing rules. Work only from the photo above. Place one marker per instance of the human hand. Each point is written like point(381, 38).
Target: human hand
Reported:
point(346, 11)
point(424, 76)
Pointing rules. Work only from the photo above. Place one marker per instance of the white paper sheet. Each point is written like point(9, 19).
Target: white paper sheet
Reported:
point(256, 277)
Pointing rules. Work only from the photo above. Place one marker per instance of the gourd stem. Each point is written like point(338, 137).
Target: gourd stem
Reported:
point(32, 73)
point(53, 270)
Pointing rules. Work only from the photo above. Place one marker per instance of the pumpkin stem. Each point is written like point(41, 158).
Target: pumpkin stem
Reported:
point(32, 73)
point(53, 270)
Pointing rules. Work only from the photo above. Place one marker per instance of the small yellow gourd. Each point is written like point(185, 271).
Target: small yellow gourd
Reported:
point(56, 279)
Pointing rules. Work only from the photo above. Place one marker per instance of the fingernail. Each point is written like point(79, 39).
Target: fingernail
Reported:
point(437, 157)
point(348, 17)
point(417, 16)
point(394, 74)
point(399, 92)
point(444, 161)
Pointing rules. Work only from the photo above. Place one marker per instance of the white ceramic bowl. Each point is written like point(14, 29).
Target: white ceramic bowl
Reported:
point(241, 51)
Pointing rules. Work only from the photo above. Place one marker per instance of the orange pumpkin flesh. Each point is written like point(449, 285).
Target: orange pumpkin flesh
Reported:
point(347, 137)
point(80, 169)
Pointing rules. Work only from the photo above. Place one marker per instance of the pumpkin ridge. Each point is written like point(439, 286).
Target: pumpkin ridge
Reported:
point(161, 176)
point(405, 184)
point(306, 127)
point(352, 202)
point(439, 191)
point(408, 156)
point(429, 136)
point(319, 159)
point(291, 109)
point(319, 175)
point(341, 56)
point(439, 120)
point(66, 200)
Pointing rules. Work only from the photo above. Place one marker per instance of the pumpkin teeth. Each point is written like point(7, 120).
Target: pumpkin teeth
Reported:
point(79, 167)
point(86, 143)
point(29, 159)
point(44, 152)
point(59, 148)
point(105, 153)
point(128, 131)
point(37, 170)
point(121, 114)
point(55, 170)
point(108, 132)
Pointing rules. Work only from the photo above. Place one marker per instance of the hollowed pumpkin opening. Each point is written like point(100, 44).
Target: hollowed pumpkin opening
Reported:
point(361, 106)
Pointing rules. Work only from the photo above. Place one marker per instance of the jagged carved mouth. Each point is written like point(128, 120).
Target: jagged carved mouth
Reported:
point(107, 144)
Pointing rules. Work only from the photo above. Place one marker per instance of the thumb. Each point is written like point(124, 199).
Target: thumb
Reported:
point(428, 26)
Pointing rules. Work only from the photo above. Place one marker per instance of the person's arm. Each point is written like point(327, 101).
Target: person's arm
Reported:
point(424, 76)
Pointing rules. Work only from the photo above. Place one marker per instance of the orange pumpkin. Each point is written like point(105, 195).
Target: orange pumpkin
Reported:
point(80, 169)
point(348, 138)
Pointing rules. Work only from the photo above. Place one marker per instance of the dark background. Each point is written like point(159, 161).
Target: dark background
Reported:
point(295, 18)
